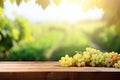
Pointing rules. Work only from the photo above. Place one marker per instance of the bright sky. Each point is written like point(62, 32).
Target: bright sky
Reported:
point(65, 12)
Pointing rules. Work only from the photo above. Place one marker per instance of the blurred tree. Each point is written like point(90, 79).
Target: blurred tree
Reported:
point(23, 26)
point(109, 36)
point(9, 34)
point(111, 11)
point(111, 8)
point(13, 32)
point(6, 38)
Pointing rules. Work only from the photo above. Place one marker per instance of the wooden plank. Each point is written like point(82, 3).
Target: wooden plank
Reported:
point(53, 71)
point(60, 76)
point(48, 67)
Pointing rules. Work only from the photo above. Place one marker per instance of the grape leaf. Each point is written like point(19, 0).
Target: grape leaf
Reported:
point(1, 3)
point(11, 1)
point(117, 28)
point(57, 2)
point(18, 2)
point(26, 1)
point(43, 3)
point(1, 13)
point(72, 1)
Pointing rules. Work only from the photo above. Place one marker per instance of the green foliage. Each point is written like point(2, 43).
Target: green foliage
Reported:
point(28, 53)
point(36, 50)
point(51, 42)
point(6, 38)
point(24, 30)
point(56, 39)
point(11, 33)
point(108, 39)
point(73, 41)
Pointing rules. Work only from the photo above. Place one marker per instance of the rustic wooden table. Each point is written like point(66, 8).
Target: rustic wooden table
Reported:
point(53, 71)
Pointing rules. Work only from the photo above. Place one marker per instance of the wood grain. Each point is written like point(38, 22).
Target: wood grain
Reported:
point(53, 71)
point(48, 67)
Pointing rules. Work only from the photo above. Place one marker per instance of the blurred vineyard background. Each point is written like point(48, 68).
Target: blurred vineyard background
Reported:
point(23, 40)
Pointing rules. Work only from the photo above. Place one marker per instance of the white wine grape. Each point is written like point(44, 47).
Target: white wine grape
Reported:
point(93, 58)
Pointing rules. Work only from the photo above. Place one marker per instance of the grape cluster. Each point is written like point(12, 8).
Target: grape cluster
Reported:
point(79, 60)
point(92, 57)
point(66, 61)
point(117, 64)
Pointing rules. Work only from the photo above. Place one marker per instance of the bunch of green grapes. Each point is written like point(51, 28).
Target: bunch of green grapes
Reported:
point(104, 59)
point(88, 54)
point(107, 57)
point(97, 60)
point(79, 60)
point(92, 51)
point(111, 59)
point(92, 57)
point(117, 64)
point(101, 60)
point(66, 61)
point(84, 58)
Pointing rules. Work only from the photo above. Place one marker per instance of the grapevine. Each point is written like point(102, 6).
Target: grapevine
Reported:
point(93, 58)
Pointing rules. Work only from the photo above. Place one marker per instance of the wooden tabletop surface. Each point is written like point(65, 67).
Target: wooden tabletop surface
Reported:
point(48, 67)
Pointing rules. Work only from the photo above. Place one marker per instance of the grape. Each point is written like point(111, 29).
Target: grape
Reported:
point(92, 51)
point(81, 60)
point(77, 56)
point(112, 58)
point(78, 59)
point(117, 64)
point(92, 57)
point(66, 61)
